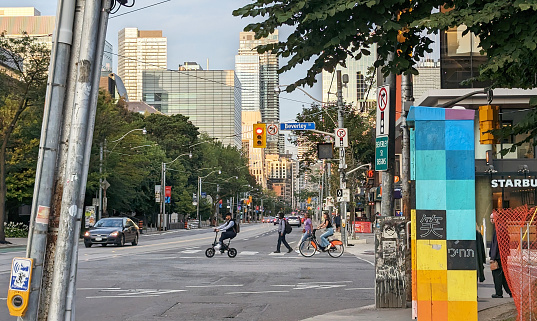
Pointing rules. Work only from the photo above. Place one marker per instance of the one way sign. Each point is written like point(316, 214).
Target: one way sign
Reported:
point(343, 195)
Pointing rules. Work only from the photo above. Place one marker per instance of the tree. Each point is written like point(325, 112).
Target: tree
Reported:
point(329, 31)
point(23, 84)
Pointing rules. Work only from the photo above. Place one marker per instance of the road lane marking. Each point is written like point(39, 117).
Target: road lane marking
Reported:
point(277, 254)
point(190, 251)
point(350, 289)
point(248, 253)
point(372, 263)
point(257, 292)
point(119, 296)
point(100, 289)
point(214, 285)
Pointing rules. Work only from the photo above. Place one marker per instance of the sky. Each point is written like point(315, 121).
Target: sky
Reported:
point(196, 31)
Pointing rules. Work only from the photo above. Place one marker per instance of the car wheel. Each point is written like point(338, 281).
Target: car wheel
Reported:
point(135, 241)
point(121, 241)
point(103, 245)
point(87, 244)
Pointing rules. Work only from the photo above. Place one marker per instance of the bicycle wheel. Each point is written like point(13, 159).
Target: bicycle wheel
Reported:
point(307, 248)
point(336, 248)
point(209, 252)
point(232, 252)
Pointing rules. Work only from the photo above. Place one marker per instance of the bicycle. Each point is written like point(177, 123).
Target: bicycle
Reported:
point(231, 252)
point(310, 246)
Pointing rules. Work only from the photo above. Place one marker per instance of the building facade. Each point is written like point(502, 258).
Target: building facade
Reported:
point(428, 78)
point(210, 98)
point(139, 50)
point(361, 89)
point(258, 74)
point(16, 20)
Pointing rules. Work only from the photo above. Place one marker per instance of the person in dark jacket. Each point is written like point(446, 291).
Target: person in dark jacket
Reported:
point(281, 235)
point(497, 275)
point(480, 257)
point(228, 232)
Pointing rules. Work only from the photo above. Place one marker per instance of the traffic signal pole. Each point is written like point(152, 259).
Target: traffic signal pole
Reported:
point(342, 166)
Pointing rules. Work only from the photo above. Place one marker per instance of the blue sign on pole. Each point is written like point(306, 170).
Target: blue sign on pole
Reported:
point(167, 199)
point(297, 126)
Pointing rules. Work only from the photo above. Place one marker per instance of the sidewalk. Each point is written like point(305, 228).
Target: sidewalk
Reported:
point(364, 248)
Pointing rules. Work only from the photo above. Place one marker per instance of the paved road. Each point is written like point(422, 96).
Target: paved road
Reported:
point(168, 277)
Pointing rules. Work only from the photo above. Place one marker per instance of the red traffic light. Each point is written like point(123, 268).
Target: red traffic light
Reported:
point(370, 173)
point(259, 130)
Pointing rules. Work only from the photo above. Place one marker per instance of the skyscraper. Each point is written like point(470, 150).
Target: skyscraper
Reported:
point(361, 89)
point(139, 50)
point(258, 74)
point(211, 99)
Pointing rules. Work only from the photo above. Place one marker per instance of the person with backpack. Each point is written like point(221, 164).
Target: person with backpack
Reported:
point(229, 231)
point(328, 232)
point(283, 228)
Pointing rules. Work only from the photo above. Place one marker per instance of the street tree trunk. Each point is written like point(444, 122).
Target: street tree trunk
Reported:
point(3, 149)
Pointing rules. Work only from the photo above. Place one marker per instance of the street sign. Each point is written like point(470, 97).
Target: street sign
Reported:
point(297, 126)
point(167, 194)
point(381, 153)
point(343, 195)
point(272, 132)
point(383, 110)
point(157, 193)
point(342, 137)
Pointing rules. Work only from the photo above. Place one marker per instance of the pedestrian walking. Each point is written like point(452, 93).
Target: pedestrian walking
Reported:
point(496, 265)
point(306, 231)
point(480, 257)
point(337, 222)
point(328, 232)
point(281, 235)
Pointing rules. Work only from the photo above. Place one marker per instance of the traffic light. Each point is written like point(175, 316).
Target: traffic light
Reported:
point(488, 120)
point(370, 177)
point(260, 135)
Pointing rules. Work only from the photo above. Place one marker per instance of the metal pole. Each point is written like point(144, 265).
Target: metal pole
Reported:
point(198, 205)
point(162, 193)
point(67, 233)
point(48, 150)
point(60, 167)
point(101, 154)
point(101, 38)
point(386, 205)
point(342, 166)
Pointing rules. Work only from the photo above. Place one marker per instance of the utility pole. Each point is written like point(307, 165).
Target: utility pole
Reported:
point(386, 205)
point(342, 166)
point(162, 193)
point(408, 99)
point(48, 151)
point(101, 155)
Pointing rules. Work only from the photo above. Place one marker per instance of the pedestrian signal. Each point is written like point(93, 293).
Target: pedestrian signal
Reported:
point(260, 135)
point(370, 173)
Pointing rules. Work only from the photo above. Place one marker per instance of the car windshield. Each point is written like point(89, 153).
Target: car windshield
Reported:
point(293, 218)
point(109, 223)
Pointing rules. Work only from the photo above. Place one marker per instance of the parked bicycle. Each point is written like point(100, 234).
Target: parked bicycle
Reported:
point(310, 246)
point(231, 252)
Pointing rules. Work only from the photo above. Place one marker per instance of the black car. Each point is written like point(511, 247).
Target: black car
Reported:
point(112, 230)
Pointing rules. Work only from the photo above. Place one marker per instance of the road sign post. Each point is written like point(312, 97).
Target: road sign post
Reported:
point(381, 153)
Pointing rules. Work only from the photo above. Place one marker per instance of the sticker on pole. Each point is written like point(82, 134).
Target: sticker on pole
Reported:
point(383, 111)
point(20, 274)
point(342, 137)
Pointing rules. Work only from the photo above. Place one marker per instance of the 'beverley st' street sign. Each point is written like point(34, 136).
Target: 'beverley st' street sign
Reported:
point(297, 126)
point(381, 153)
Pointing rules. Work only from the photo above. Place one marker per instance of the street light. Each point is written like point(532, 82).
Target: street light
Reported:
point(198, 195)
point(163, 188)
point(101, 156)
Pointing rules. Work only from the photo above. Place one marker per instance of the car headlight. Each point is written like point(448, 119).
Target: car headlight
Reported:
point(114, 233)
point(87, 233)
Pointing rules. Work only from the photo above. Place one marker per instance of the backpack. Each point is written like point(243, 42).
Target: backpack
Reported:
point(288, 228)
point(236, 227)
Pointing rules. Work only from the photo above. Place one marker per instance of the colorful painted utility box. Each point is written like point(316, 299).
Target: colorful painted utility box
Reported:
point(444, 279)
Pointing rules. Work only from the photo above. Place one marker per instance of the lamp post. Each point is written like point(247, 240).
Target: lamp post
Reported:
point(199, 193)
point(163, 189)
point(101, 158)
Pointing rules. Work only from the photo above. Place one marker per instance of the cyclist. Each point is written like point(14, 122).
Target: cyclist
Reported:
point(228, 231)
point(327, 224)
point(306, 232)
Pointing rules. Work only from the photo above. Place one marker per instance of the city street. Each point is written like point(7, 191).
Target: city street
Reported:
point(168, 277)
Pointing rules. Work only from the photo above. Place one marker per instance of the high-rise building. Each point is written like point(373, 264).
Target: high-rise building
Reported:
point(256, 156)
point(361, 89)
point(211, 99)
point(258, 74)
point(428, 78)
point(14, 21)
point(139, 50)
